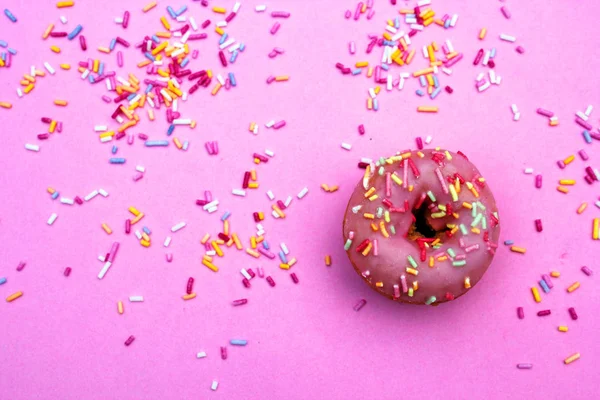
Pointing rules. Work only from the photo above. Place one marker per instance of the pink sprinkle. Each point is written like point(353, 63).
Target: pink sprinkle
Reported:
point(208, 196)
point(275, 28)
point(251, 273)
point(126, 20)
point(404, 285)
point(505, 12)
point(520, 313)
point(352, 47)
point(82, 43)
point(561, 164)
point(138, 176)
point(347, 14)
point(280, 14)
point(129, 340)
point(545, 113)
point(361, 129)
point(419, 143)
point(294, 278)
point(370, 14)
point(59, 127)
point(538, 225)
point(119, 58)
point(21, 266)
point(128, 226)
point(361, 303)
point(130, 139)
point(106, 99)
point(67, 271)
point(190, 285)
point(78, 200)
point(143, 136)
point(205, 24)
point(357, 11)
point(586, 271)
point(246, 282)
point(240, 302)
point(471, 248)
point(261, 272)
point(548, 281)
point(520, 50)
point(538, 181)
point(271, 281)
point(573, 313)
point(543, 313)
point(271, 79)
point(279, 124)
point(223, 353)
point(583, 155)
point(583, 123)
point(169, 257)
point(388, 184)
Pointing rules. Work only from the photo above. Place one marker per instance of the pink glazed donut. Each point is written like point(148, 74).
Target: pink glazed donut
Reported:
point(421, 227)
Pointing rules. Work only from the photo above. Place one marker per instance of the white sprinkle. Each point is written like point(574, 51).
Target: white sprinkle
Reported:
point(182, 121)
point(211, 253)
point(453, 20)
point(106, 139)
point(498, 80)
point(108, 85)
point(239, 192)
point(428, 140)
point(480, 76)
point(227, 43)
point(528, 171)
point(514, 108)
point(19, 92)
point(63, 19)
point(588, 110)
point(236, 7)
point(401, 83)
point(275, 215)
point(212, 209)
point(138, 235)
point(193, 23)
point(356, 209)
point(270, 123)
point(366, 160)
point(554, 119)
point(372, 93)
point(32, 147)
point(103, 192)
point(507, 38)
point(389, 82)
point(52, 218)
point(118, 20)
point(346, 146)
point(214, 385)
point(221, 24)
point(177, 227)
point(255, 130)
point(260, 227)
point(184, 96)
point(134, 99)
point(235, 47)
point(104, 269)
point(135, 299)
point(101, 258)
point(140, 168)
point(49, 68)
point(32, 70)
point(423, 3)
point(303, 193)
point(176, 53)
point(245, 274)
point(64, 200)
point(221, 80)
point(100, 128)
point(581, 115)
point(425, 52)
point(167, 241)
point(517, 116)
point(201, 354)
point(260, 8)
point(164, 92)
point(447, 71)
point(288, 201)
point(398, 35)
point(486, 57)
point(407, 39)
point(449, 46)
point(91, 195)
point(284, 248)
point(270, 195)
point(410, 20)
point(484, 86)
point(269, 153)
point(390, 29)
point(181, 18)
point(492, 76)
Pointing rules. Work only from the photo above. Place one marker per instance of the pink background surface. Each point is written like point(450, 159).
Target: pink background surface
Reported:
point(64, 338)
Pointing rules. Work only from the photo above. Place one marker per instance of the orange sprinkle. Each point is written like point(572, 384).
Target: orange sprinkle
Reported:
point(562, 189)
point(517, 249)
point(555, 274)
point(14, 296)
point(581, 208)
point(106, 229)
point(189, 296)
point(61, 103)
point(427, 109)
point(573, 287)
point(149, 6)
point(328, 260)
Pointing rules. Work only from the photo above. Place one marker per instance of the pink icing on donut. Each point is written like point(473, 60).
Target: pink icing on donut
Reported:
point(421, 227)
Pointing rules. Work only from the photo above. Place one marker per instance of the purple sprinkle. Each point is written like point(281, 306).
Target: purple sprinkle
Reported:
point(21, 266)
point(587, 271)
point(524, 366)
point(548, 281)
point(270, 79)
point(561, 164)
point(520, 49)
point(520, 313)
point(280, 14)
point(583, 155)
point(347, 14)
point(361, 303)
point(505, 12)
point(240, 302)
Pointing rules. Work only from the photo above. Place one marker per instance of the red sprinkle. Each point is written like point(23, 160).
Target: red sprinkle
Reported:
point(222, 58)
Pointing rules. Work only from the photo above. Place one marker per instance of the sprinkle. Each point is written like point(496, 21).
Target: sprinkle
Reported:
point(517, 249)
point(136, 299)
point(238, 342)
point(563, 328)
point(360, 304)
point(555, 274)
point(32, 147)
point(507, 38)
point(573, 287)
point(427, 109)
point(525, 366)
point(14, 296)
point(214, 385)
point(328, 260)
point(572, 358)
point(543, 313)
point(120, 308)
point(596, 229)
point(573, 314)
point(189, 296)
point(178, 226)
point(52, 218)
point(536, 295)
point(346, 146)
point(586, 271)
point(520, 313)
point(129, 340)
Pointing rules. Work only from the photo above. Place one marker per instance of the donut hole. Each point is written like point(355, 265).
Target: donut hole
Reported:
point(421, 228)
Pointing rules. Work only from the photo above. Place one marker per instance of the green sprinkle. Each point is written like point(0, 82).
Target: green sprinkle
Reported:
point(481, 205)
point(356, 209)
point(476, 220)
point(381, 171)
point(437, 246)
point(484, 223)
point(460, 263)
point(440, 214)
point(379, 213)
point(393, 229)
point(431, 196)
point(442, 207)
point(463, 229)
point(430, 300)
point(412, 262)
point(348, 244)
point(474, 209)
point(382, 161)
point(451, 253)
point(410, 292)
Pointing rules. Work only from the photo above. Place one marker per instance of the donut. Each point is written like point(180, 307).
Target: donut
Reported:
point(421, 227)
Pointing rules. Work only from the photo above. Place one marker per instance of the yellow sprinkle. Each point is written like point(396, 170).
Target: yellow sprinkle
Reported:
point(572, 358)
point(217, 248)
point(517, 249)
point(555, 274)
point(106, 229)
point(476, 231)
point(220, 10)
point(374, 197)
point(536, 295)
point(26, 90)
point(149, 6)
point(361, 64)
point(567, 182)
point(210, 265)
point(55, 49)
point(595, 229)
point(384, 231)
point(482, 33)
point(284, 266)
point(569, 159)
point(563, 328)
point(236, 240)
point(427, 109)
point(573, 287)
point(328, 260)
point(219, 31)
point(188, 296)
point(369, 192)
point(411, 271)
point(253, 242)
point(120, 307)
point(396, 179)
point(134, 211)
point(145, 243)
point(431, 261)
point(165, 23)
point(367, 249)
point(14, 296)
point(62, 4)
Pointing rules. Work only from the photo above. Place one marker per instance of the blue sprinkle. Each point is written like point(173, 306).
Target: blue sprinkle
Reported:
point(223, 38)
point(185, 62)
point(375, 104)
point(233, 56)
point(242, 47)
point(116, 160)
point(422, 81)
point(493, 52)
point(101, 69)
point(587, 137)
point(3, 55)
point(10, 15)
point(225, 216)
point(436, 83)
point(156, 143)
point(114, 149)
point(509, 242)
point(238, 342)
point(149, 56)
point(75, 32)
point(265, 245)
point(356, 71)
point(2, 281)
point(397, 22)
point(131, 96)
point(420, 93)
point(149, 88)
point(544, 286)
point(185, 146)
point(435, 93)
point(282, 257)
point(155, 39)
point(447, 24)
point(181, 10)
point(390, 43)
point(170, 130)
point(12, 51)
point(55, 195)
point(385, 67)
point(91, 78)
point(112, 44)
point(171, 12)
point(3, 43)
point(232, 79)
point(147, 230)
